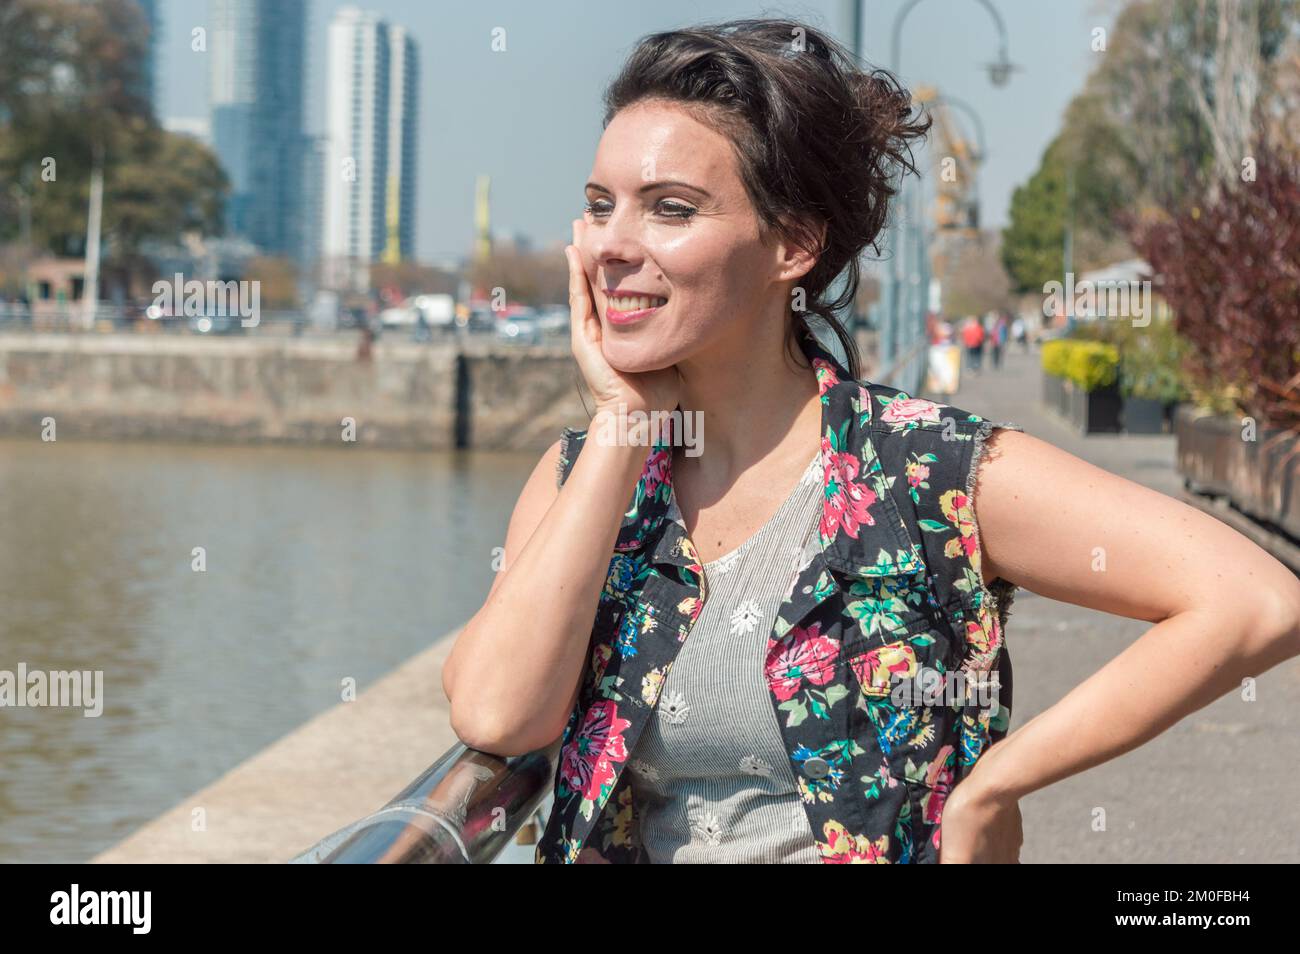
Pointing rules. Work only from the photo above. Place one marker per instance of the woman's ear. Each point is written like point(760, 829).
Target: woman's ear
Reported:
point(796, 259)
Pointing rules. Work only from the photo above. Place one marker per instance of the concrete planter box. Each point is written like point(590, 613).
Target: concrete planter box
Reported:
point(1146, 416)
point(1096, 411)
point(1261, 478)
point(1261, 474)
point(1204, 448)
point(1090, 412)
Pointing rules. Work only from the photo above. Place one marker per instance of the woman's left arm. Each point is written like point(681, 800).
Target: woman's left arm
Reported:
point(1224, 609)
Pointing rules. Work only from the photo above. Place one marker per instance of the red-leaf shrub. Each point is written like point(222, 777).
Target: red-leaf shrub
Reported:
point(1231, 275)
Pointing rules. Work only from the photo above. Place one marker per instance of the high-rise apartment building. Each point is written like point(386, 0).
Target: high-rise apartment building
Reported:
point(257, 52)
point(371, 107)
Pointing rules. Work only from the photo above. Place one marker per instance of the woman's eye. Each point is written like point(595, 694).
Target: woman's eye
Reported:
point(671, 210)
point(676, 210)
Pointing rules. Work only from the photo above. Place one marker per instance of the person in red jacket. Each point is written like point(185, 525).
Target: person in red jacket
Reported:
point(972, 336)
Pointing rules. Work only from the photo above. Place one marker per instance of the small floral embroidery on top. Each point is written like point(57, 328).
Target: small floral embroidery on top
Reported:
point(753, 765)
point(708, 828)
point(745, 617)
point(726, 563)
point(674, 708)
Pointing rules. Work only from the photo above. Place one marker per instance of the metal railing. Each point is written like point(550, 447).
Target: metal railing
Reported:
point(463, 809)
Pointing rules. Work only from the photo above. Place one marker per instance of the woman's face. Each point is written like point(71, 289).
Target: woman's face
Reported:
point(670, 220)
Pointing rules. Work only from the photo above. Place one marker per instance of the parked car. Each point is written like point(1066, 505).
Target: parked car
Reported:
point(398, 317)
point(554, 319)
point(216, 324)
point(521, 330)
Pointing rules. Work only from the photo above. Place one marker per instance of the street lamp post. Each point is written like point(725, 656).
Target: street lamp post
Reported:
point(895, 334)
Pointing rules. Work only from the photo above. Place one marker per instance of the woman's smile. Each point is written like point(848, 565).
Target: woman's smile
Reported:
point(625, 309)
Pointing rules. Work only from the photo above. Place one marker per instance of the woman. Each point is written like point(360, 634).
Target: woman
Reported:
point(844, 692)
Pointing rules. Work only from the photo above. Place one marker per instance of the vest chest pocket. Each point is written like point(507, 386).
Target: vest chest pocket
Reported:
point(908, 700)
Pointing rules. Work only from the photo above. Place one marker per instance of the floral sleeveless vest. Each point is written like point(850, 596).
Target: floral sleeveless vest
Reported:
point(885, 665)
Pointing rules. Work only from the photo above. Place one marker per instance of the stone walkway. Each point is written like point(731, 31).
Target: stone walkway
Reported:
point(1218, 786)
point(334, 769)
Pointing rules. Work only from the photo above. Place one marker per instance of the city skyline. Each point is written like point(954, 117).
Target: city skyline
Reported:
point(529, 115)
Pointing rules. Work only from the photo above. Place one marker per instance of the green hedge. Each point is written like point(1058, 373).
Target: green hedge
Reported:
point(1089, 364)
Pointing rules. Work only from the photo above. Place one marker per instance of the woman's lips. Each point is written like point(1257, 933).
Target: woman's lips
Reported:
point(619, 317)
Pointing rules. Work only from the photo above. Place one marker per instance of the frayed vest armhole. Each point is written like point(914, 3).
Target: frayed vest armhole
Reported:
point(569, 448)
point(1001, 593)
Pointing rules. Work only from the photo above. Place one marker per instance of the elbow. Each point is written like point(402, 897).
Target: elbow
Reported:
point(1274, 627)
point(1286, 616)
point(497, 734)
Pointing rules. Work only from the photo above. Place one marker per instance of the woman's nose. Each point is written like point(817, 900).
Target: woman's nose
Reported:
point(615, 239)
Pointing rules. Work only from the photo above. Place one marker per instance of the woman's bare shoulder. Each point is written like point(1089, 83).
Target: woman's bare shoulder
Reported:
point(1069, 530)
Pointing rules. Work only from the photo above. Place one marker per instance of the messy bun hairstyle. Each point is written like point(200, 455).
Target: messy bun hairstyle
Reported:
point(819, 140)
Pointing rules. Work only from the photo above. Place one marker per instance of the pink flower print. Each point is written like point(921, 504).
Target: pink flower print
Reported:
point(656, 470)
point(847, 503)
point(587, 761)
point(917, 474)
point(826, 376)
point(906, 410)
point(804, 654)
point(939, 779)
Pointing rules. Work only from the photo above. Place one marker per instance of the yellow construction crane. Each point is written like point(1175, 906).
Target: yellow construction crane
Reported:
point(956, 165)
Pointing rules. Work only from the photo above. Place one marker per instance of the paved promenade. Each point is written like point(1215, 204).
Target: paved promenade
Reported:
point(338, 767)
point(1217, 787)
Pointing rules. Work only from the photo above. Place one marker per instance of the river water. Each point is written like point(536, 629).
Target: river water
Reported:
point(319, 564)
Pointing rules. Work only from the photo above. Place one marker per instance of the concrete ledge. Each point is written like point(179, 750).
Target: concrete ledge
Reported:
point(336, 768)
point(260, 390)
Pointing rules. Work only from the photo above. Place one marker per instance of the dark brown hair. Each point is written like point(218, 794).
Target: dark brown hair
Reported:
point(820, 140)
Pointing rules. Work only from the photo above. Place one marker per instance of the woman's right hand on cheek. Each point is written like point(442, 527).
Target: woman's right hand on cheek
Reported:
point(611, 389)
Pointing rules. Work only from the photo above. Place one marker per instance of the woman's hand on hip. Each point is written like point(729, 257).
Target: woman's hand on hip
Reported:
point(978, 827)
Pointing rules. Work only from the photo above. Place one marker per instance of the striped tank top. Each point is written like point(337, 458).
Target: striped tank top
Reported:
point(711, 779)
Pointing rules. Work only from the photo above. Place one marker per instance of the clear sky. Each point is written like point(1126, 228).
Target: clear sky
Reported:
point(530, 117)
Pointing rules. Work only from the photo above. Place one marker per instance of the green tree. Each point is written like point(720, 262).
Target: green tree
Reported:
point(70, 99)
point(1033, 239)
point(1142, 134)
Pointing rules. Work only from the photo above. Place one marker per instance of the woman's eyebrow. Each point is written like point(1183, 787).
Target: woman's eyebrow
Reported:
point(660, 184)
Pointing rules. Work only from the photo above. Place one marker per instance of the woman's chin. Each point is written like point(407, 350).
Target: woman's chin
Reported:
point(634, 360)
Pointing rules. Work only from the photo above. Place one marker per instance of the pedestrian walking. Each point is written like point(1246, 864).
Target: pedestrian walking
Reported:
point(1018, 333)
point(972, 336)
point(999, 339)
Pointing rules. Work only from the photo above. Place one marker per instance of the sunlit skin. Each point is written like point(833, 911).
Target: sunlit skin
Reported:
point(669, 216)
